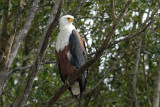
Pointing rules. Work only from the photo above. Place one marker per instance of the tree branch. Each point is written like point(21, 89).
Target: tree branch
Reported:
point(78, 7)
point(149, 20)
point(51, 24)
point(29, 66)
point(19, 39)
point(90, 62)
point(112, 11)
point(5, 19)
point(126, 38)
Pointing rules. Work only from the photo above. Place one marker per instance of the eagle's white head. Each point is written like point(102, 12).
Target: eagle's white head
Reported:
point(66, 20)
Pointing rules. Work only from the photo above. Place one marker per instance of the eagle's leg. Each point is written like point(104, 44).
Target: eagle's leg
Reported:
point(67, 82)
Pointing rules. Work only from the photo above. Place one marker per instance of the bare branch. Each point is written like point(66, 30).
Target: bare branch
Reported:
point(113, 11)
point(29, 66)
point(51, 24)
point(78, 7)
point(21, 69)
point(90, 62)
point(24, 31)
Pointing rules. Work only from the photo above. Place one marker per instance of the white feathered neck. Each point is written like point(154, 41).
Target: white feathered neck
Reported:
point(63, 36)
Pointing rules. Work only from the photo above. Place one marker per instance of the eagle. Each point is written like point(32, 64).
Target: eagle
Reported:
point(71, 54)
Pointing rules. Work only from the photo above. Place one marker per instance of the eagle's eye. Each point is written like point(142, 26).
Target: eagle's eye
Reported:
point(70, 19)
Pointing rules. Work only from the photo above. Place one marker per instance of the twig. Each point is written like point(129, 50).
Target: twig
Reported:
point(29, 66)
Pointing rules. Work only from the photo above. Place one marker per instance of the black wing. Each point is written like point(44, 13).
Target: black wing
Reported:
point(79, 56)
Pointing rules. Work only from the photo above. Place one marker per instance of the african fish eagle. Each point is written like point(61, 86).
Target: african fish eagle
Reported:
point(71, 54)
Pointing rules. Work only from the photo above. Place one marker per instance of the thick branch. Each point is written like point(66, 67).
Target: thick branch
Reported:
point(157, 89)
point(51, 24)
point(98, 83)
point(90, 62)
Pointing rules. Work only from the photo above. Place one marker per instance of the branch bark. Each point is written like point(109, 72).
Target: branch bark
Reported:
point(4, 74)
point(51, 24)
point(4, 37)
point(99, 82)
point(157, 89)
point(112, 11)
point(90, 62)
point(29, 66)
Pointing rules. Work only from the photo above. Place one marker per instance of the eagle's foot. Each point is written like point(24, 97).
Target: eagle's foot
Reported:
point(67, 82)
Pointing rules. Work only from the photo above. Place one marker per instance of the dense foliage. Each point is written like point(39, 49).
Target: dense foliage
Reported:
point(94, 21)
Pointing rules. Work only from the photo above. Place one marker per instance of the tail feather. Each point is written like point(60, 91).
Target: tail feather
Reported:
point(75, 88)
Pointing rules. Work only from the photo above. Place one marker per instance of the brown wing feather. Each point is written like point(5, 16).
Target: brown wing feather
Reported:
point(66, 69)
point(80, 39)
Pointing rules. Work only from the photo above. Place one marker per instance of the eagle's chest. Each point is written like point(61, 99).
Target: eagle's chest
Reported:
point(62, 44)
point(63, 39)
point(64, 55)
